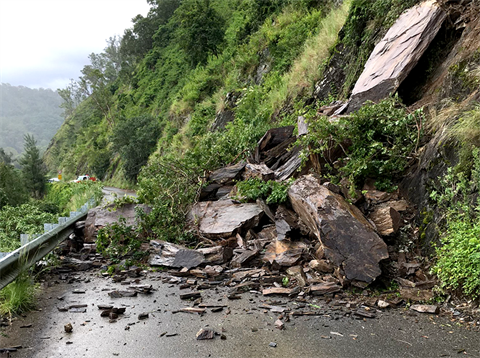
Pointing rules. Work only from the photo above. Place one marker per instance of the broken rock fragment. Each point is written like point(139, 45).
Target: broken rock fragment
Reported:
point(348, 239)
point(171, 255)
point(285, 252)
point(205, 333)
point(432, 309)
point(386, 219)
point(324, 288)
point(223, 219)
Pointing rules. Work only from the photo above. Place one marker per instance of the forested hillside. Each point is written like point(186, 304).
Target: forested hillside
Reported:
point(28, 111)
point(199, 82)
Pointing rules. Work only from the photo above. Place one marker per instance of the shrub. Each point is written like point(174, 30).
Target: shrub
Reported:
point(273, 192)
point(383, 139)
point(458, 256)
point(71, 196)
point(23, 219)
point(19, 296)
point(118, 240)
point(135, 139)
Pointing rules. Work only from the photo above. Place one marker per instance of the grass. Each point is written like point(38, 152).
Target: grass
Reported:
point(307, 68)
point(19, 296)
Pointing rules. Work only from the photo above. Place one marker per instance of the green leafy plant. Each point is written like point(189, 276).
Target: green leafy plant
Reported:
point(19, 296)
point(272, 191)
point(377, 142)
point(458, 255)
point(71, 196)
point(23, 219)
point(118, 240)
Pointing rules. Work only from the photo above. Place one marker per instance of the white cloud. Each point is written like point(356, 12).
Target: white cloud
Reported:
point(45, 43)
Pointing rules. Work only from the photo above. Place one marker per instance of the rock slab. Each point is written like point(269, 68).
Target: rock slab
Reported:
point(348, 239)
point(397, 53)
point(224, 218)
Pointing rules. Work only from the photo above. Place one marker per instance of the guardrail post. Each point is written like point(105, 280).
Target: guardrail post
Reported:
point(36, 246)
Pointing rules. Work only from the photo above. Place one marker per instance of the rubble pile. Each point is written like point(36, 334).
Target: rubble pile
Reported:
point(317, 243)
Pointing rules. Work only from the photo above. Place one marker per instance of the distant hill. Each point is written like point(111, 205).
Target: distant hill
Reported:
point(24, 110)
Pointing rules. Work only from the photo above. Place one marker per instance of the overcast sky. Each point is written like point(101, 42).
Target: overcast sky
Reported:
point(45, 43)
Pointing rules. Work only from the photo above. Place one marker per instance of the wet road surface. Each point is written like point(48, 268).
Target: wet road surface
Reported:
point(248, 327)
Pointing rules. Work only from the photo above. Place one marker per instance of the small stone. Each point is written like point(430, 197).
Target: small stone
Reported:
point(383, 304)
point(432, 309)
point(272, 344)
point(68, 328)
point(279, 324)
point(143, 315)
point(205, 333)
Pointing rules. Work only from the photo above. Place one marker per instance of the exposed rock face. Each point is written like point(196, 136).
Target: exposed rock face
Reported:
point(224, 218)
point(397, 53)
point(348, 239)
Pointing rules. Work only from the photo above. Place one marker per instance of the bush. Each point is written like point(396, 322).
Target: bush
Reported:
point(135, 139)
point(24, 219)
point(378, 141)
point(273, 192)
point(12, 187)
point(118, 240)
point(71, 196)
point(458, 256)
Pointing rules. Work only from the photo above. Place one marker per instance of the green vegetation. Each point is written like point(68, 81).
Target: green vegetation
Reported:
point(19, 296)
point(68, 197)
point(375, 142)
point(33, 168)
point(119, 240)
point(23, 219)
point(272, 191)
point(12, 188)
point(455, 195)
point(135, 139)
point(458, 258)
point(28, 218)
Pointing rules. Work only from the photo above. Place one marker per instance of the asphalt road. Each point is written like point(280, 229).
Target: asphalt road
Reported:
point(246, 324)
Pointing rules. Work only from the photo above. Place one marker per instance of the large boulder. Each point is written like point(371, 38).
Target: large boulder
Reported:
point(397, 53)
point(223, 218)
point(102, 216)
point(349, 241)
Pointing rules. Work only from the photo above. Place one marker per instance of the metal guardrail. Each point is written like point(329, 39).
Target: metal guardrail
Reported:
point(14, 262)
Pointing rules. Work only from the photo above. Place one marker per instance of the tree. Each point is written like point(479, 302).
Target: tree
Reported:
point(135, 139)
point(33, 168)
point(5, 158)
point(200, 31)
point(71, 96)
point(12, 188)
point(136, 42)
